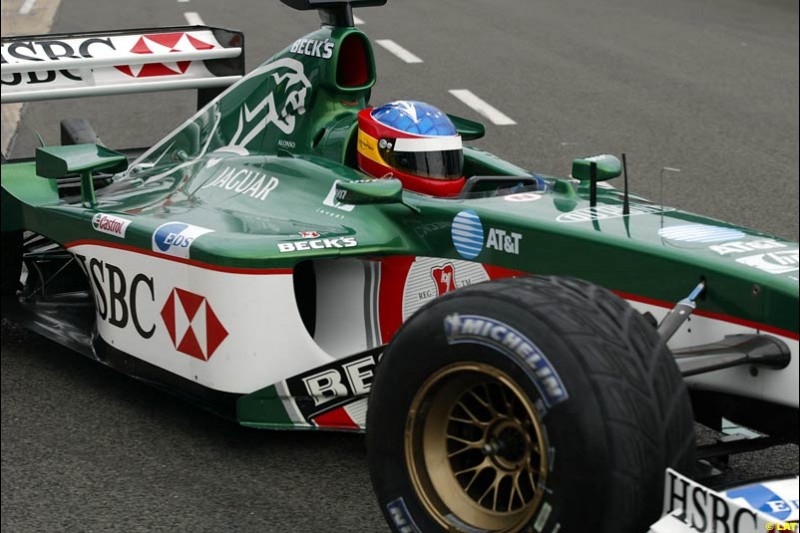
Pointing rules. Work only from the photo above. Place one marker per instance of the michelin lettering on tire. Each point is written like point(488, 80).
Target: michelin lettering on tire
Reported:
point(401, 518)
point(507, 340)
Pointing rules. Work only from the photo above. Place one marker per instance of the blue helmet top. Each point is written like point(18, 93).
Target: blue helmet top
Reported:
point(417, 118)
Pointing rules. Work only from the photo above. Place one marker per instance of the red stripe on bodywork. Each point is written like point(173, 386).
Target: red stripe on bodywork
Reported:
point(336, 419)
point(192, 262)
point(714, 316)
point(394, 271)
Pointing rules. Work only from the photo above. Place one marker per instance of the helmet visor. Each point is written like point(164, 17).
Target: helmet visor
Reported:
point(436, 158)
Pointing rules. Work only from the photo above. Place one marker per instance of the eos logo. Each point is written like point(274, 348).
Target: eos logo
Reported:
point(175, 238)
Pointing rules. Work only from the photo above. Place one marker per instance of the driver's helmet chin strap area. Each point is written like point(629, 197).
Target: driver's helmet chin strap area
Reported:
point(413, 142)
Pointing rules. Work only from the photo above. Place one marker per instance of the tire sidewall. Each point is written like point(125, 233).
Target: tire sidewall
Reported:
point(577, 444)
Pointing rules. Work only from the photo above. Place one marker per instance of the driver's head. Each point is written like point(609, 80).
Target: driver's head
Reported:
point(414, 142)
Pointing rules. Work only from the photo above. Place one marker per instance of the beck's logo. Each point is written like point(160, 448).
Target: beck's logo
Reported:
point(445, 279)
point(313, 48)
point(163, 43)
point(317, 244)
point(192, 324)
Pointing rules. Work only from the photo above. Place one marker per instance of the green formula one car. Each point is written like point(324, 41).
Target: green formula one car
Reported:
point(533, 350)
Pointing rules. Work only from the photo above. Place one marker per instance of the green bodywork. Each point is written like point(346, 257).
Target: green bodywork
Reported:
point(289, 130)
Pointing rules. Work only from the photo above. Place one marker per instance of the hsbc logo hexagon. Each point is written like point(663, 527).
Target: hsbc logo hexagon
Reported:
point(163, 43)
point(192, 324)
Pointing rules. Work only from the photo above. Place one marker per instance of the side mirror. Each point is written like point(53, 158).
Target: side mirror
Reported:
point(82, 159)
point(375, 191)
point(608, 167)
point(468, 129)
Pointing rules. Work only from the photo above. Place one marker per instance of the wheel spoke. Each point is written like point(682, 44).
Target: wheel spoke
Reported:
point(460, 451)
point(480, 466)
point(467, 442)
point(476, 472)
point(475, 420)
point(486, 430)
point(473, 443)
point(470, 422)
point(488, 490)
point(516, 490)
point(486, 403)
point(508, 403)
point(532, 477)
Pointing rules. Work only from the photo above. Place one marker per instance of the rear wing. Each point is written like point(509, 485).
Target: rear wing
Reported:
point(72, 65)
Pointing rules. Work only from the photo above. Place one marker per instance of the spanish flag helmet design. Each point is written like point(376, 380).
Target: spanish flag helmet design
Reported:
point(414, 142)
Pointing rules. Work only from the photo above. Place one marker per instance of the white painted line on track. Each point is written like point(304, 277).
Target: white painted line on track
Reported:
point(355, 18)
point(183, 1)
point(469, 98)
point(193, 19)
point(27, 7)
point(398, 50)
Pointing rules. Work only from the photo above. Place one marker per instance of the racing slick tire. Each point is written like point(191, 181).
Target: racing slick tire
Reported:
point(540, 403)
point(10, 261)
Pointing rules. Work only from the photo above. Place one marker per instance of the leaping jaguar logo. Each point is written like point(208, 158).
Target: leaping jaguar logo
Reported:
point(289, 79)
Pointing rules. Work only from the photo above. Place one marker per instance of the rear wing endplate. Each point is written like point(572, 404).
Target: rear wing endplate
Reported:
point(49, 67)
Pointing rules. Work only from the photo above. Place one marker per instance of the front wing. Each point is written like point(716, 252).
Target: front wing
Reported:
point(690, 507)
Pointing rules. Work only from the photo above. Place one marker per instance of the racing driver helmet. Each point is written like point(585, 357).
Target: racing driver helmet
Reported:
point(414, 142)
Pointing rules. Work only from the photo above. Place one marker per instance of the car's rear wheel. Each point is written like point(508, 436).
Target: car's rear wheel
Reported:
point(539, 402)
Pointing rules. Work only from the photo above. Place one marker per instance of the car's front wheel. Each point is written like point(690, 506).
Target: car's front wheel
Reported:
point(539, 402)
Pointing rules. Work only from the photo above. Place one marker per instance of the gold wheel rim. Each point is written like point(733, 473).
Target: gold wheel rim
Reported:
point(475, 449)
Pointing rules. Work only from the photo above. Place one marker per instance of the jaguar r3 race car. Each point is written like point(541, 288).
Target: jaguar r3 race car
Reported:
point(524, 355)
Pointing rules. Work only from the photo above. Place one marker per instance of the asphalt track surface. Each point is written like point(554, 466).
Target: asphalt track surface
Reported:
point(708, 87)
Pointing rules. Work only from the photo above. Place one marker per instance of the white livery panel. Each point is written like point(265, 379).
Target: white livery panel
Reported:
point(104, 63)
point(230, 331)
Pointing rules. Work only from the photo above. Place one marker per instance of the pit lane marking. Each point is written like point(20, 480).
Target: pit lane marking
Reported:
point(398, 51)
point(482, 107)
point(193, 18)
point(27, 7)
